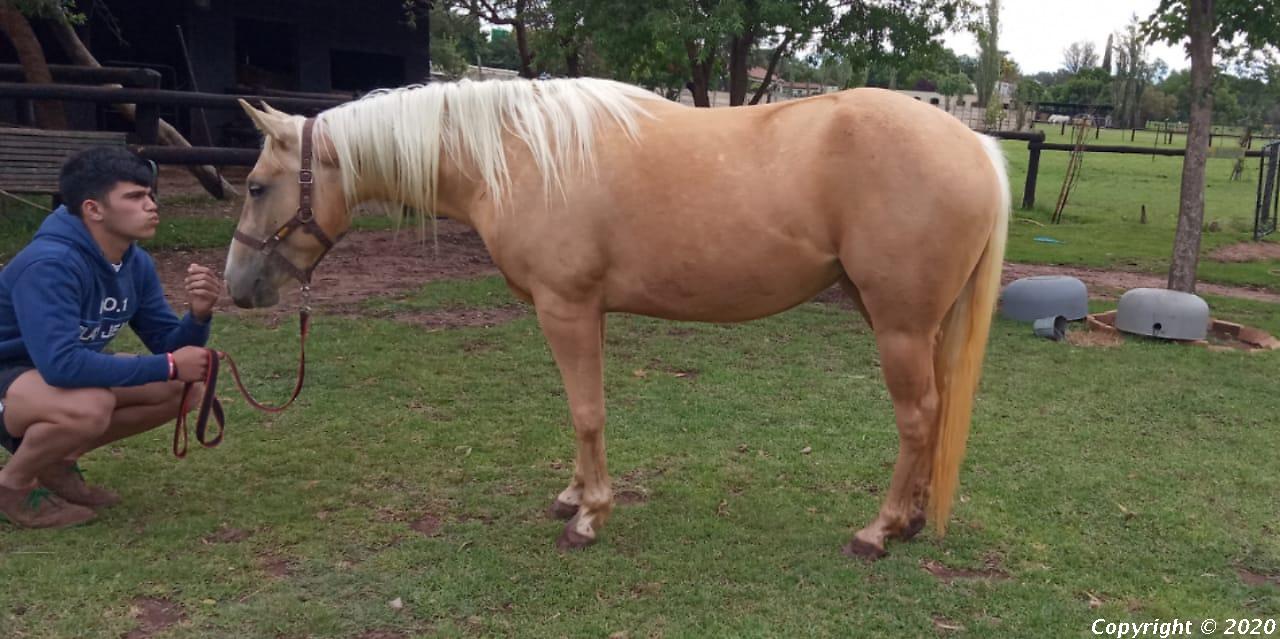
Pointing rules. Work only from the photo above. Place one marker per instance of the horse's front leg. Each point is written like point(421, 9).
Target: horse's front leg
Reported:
point(575, 333)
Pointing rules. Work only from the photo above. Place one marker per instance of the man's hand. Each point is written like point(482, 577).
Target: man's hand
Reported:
point(192, 362)
point(203, 290)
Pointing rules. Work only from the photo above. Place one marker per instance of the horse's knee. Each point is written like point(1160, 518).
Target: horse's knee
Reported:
point(588, 421)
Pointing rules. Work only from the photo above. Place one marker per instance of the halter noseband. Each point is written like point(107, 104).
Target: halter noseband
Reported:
point(305, 219)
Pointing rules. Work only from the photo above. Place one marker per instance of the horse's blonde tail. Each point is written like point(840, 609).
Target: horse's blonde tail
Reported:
point(958, 359)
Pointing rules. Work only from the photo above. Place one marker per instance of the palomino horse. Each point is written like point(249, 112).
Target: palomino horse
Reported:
point(595, 197)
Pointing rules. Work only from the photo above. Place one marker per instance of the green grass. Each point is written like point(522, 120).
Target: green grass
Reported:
point(453, 294)
point(1102, 228)
point(1142, 475)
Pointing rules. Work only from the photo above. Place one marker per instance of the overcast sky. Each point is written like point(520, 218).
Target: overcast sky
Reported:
point(1035, 32)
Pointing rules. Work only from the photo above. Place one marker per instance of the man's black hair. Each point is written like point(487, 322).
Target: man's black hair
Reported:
point(93, 172)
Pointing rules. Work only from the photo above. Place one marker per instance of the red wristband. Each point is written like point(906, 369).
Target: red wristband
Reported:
point(173, 367)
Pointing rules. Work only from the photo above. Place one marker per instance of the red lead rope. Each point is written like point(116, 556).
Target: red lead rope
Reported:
point(211, 407)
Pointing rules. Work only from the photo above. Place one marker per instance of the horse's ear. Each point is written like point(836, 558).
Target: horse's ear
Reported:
point(274, 111)
point(271, 123)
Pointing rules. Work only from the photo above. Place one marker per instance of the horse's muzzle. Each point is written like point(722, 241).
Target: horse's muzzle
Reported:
point(251, 281)
point(259, 294)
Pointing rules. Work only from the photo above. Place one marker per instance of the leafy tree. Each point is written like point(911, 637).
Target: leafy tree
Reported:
point(517, 18)
point(1079, 56)
point(700, 41)
point(955, 85)
point(1133, 73)
point(1156, 105)
point(1208, 25)
point(1089, 86)
point(456, 39)
point(989, 53)
point(1028, 94)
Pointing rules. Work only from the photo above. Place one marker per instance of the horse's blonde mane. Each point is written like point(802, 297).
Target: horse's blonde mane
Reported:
point(396, 137)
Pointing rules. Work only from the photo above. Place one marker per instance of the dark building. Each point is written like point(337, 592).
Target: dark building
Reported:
point(345, 47)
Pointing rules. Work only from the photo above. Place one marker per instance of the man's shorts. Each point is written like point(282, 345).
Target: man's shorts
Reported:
point(9, 372)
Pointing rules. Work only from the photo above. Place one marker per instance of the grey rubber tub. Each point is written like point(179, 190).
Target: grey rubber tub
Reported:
point(1158, 312)
point(1045, 296)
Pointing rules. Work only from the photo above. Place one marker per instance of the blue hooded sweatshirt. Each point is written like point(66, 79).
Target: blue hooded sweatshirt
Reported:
point(61, 303)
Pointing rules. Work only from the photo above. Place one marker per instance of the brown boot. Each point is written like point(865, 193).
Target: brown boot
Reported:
point(37, 508)
point(67, 481)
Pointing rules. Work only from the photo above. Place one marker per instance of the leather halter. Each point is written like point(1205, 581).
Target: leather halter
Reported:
point(304, 219)
point(209, 405)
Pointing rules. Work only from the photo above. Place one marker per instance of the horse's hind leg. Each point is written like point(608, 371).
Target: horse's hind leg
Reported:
point(906, 358)
point(575, 333)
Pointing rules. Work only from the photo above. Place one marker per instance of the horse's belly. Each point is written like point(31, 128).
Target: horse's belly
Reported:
point(708, 290)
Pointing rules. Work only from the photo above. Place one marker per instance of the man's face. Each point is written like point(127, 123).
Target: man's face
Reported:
point(128, 210)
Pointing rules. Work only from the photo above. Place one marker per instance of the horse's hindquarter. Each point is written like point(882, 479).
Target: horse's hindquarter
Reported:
point(732, 214)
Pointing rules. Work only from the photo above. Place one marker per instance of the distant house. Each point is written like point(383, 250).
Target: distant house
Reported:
point(966, 108)
point(783, 89)
point(1003, 89)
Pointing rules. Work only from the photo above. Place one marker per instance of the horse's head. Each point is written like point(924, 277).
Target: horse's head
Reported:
point(279, 238)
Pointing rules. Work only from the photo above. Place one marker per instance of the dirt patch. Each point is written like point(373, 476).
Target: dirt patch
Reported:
point(154, 616)
point(835, 296)
point(1094, 339)
point(630, 497)
point(227, 535)
point(428, 525)
point(1253, 578)
point(947, 625)
point(484, 518)
point(275, 566)
point(1246, 252)
point(1104, 284)
point(991, 570)
point(381, 634)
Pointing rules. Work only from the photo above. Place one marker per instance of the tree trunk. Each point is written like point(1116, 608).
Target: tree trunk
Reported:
point(207, 175)
point(35, 69)
point(1139, 88)
point(739, 51)
point(1186, 243)
point(765, 82)
point(700, 74)
point(522, 47)
point(572, 57)
point(573, 64)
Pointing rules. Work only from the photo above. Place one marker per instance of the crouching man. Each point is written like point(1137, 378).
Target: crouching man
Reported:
point(62, 299)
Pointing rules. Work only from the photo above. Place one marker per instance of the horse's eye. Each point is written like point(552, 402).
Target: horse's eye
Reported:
point(256, 190)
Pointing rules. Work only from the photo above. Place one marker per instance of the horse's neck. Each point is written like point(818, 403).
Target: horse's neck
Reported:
point(456, 194)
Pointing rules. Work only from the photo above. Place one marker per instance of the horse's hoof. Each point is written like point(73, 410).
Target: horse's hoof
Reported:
point(863, 550)
point(561, 510)
point(912, 529)
point(571, 539)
